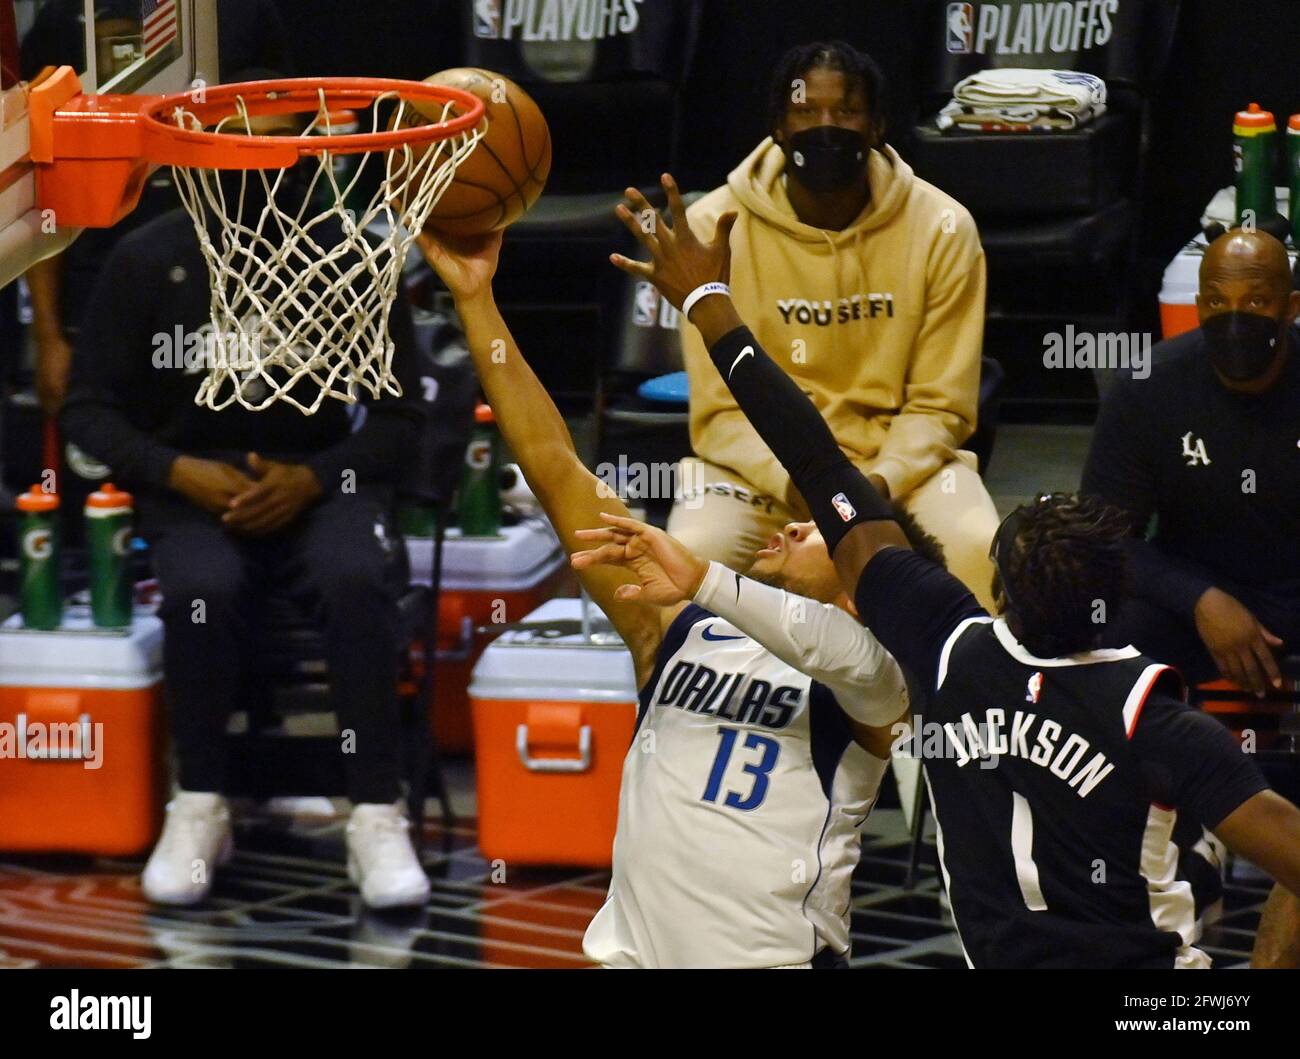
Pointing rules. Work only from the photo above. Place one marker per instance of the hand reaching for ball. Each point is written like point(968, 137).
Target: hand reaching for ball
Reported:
point(465, 263)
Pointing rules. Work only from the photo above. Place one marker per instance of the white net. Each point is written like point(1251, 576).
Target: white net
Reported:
point(303, 274)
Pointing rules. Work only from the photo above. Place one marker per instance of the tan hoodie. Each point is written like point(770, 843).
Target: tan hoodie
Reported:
point(881, 324)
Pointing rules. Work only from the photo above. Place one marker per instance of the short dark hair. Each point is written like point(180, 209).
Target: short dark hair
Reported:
point(857, 67)
point(1066, 559)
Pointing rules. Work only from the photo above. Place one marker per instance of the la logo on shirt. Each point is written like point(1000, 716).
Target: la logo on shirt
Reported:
point(1194, 451)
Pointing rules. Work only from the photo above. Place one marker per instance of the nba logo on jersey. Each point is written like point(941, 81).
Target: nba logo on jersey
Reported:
point(1035, 688)
point(487, 19)
point(842, 506)
point(961, 28)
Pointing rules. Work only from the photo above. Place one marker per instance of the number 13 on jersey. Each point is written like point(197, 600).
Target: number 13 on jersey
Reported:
point(768, 750)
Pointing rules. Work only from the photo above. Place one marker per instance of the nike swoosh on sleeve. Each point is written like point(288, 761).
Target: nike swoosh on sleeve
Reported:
point(748, 351)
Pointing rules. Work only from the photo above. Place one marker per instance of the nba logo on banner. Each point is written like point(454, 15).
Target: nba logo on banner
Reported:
point(961, 29)
point(842, 506)
point(646, 308)
point(487, 19)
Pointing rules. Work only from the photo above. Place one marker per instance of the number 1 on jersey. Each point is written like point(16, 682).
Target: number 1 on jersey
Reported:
point(759, 770)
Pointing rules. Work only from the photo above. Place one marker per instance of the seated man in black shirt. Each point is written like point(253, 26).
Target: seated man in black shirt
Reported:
point(1063, 768)
point(1208, 446)
point(236, 500)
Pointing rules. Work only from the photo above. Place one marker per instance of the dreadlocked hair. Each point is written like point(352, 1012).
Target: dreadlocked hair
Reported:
point(1066, 573)
point(857, 67)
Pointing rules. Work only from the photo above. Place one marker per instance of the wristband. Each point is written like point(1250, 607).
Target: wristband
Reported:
point(703, 291)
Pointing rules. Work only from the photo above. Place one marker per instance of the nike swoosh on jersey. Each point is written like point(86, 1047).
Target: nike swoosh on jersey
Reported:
point(748, 351)
point(706, 635)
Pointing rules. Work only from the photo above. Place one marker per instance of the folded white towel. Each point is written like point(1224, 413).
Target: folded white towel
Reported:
point(1012, 118)
point(1066, 90)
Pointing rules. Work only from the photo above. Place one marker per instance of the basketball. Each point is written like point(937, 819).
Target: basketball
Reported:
point(506, 172)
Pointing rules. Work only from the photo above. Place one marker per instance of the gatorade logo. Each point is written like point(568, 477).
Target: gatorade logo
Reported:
point(85, 466)
point(38, 544)
point(1029, 28)
point(122, 541)
point(479, 455)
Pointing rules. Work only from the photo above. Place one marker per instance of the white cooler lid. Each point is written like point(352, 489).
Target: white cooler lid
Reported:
point(79, 655)
point(518, 559)
point(1182, 274)
point(548, 659)
point(1181, 280)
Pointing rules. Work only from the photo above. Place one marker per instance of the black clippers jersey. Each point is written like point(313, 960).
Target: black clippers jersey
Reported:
point(1046, 821)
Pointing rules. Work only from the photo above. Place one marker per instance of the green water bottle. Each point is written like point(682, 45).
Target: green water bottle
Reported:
point(1254, 143)
point(1293, 174)
point(108, 538)
point(479, 507)
point(42, 588)
point(417, 520)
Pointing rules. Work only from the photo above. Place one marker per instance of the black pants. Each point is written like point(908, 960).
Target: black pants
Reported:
point(333, 560)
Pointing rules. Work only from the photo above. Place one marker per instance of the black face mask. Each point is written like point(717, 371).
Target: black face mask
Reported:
point(1242, 345)
point(826, 158)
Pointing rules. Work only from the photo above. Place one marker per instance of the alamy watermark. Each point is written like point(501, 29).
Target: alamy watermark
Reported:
point(80, 740)
point(1126, 350)
point(204, 349)
point(631, 480)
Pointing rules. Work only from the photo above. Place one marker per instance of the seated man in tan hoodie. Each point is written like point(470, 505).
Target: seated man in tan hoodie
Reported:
point(866, 284)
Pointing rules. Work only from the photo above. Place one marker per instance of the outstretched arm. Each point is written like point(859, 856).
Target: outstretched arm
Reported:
point(818, 639)
point(537, 435)
point(910, 604)
point(783, 416)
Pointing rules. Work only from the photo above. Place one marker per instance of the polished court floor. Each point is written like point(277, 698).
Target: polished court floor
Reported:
point(285, 901)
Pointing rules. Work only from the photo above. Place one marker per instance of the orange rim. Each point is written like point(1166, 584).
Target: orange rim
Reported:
point(301, 94)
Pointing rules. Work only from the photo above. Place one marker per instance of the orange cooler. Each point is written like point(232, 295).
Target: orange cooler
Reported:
point(82, 755)
point(554, 712)
point(487, 583)
point(1178, 290)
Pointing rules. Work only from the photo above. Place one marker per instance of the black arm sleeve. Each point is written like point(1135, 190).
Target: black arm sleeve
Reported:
point(111, 363)
point(909, 602)
point(1191, 761)
point(913, 605)
point(837, 493)
point(380, 449)
point(1119, 470)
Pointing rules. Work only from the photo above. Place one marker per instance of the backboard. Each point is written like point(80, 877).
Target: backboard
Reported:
point(127, 46)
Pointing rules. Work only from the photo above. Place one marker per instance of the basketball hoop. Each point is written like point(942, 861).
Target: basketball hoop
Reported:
point(301, 292)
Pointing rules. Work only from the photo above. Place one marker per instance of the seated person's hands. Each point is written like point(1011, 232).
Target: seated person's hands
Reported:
point(1240, 646)
point(668, 572)
point(278, 496)
point(209, 484)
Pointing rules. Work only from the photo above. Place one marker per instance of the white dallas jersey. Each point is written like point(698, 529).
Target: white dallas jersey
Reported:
point(743, 795)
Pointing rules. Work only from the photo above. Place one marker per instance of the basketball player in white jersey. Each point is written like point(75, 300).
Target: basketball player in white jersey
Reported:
point(751, 770)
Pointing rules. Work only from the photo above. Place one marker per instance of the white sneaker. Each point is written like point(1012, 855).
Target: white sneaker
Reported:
point(195, 840)
point(381, 859)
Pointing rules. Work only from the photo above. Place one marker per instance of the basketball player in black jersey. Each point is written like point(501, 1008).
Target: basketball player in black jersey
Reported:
point(1059, 769)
